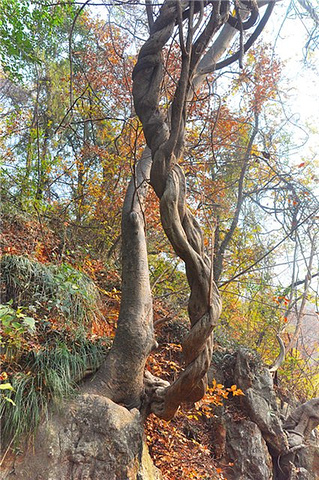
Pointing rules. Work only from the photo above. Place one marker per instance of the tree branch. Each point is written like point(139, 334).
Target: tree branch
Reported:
point(240, 198)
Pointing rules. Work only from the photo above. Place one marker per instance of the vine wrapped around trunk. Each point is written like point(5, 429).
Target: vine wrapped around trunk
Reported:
point(122, 377)
point(165, 139)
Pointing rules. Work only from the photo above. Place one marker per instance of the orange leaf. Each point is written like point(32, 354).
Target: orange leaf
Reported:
point(238, 392)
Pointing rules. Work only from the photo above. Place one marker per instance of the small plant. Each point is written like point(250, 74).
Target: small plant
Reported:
point(48, 375)
point(6, 386)
point(14, 325)
point(51, 288)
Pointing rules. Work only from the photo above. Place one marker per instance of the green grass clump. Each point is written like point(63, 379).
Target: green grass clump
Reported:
point(62, 288)
point(47, 347)
point(49, 376)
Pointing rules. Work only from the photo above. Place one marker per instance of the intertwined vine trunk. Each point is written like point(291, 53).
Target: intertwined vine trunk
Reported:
point(122, 377)
point(165, 139)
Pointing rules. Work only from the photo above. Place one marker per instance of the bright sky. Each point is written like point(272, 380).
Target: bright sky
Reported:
point(291, 38)
point(302, 74)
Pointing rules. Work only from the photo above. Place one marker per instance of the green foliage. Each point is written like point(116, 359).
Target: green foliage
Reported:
point(5, 398)
point(13, 319)
point(53, 288)
point(47, 353)
point(14, 324)
point(49, 375)
point(28, 28)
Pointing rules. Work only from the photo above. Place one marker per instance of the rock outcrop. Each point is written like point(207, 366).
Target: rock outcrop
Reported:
point(247, 450)
point(95, 439)
point(92, 439)
point(260, 443)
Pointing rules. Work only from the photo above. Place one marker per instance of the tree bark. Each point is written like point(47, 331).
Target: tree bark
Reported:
point(165, 138)
point(121, 377)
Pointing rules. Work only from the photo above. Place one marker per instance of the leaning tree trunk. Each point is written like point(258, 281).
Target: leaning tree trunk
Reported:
point(121, 377)
point(165, 139)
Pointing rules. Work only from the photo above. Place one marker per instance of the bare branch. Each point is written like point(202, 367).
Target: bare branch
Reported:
point(228, 61)
point(149, 12)
point(281, 357)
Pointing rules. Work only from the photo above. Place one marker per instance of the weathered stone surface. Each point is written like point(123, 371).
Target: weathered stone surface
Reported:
point(300, 465)
point(247, 450)
point(308, 459)
point(259, 400)
point(262, 445)
point(302, 474)
point(92, 439)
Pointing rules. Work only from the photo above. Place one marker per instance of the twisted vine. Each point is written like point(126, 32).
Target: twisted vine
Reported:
point(164, 137)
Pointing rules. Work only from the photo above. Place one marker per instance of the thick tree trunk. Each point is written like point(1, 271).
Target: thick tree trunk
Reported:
point(165, 137)
point(121, 377)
